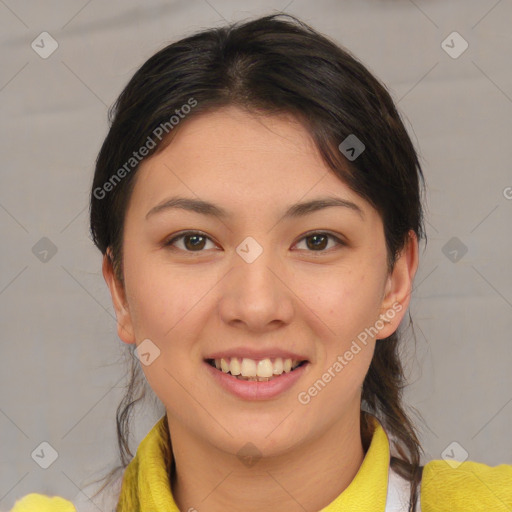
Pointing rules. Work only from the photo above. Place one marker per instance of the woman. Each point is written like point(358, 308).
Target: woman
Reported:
point(257, 202)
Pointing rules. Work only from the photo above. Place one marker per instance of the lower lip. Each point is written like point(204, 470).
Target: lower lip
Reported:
point(254, 390)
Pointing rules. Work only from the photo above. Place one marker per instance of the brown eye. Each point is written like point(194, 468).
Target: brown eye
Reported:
point(193, 241)
point(318, 241)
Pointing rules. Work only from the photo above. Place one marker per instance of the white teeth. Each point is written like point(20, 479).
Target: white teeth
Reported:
point(224, 365)
point(278, 366)
point(234, 366)
point(248, 367)
point(252, 368)
point(265, 368)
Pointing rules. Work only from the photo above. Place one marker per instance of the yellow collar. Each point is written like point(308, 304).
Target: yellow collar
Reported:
point(146, 483)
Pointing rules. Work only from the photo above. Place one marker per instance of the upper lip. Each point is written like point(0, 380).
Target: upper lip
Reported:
point(252, 353)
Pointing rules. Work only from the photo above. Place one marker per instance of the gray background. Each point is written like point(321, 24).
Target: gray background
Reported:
point(61, 361)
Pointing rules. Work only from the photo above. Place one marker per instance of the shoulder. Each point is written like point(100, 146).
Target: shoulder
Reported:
point(106, 501)
point(35, 502)
point(466, 486)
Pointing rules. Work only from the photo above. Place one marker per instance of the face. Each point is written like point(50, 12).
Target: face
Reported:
point(256, 282)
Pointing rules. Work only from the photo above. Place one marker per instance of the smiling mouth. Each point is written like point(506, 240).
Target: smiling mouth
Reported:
point(250, 370)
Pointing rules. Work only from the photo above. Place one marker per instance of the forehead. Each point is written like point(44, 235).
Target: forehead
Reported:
point(236, 156)
point(231, 132)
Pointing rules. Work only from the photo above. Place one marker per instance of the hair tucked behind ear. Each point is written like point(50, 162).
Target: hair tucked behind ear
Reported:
point(275, 64)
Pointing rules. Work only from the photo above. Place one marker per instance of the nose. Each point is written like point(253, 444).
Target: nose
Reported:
point(257, 295)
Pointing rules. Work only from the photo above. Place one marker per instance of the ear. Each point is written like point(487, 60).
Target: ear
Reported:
point(124, 322)
point(398, 289)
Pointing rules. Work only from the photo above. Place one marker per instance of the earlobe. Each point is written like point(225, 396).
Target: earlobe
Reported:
point(117, 292)
point(399, 287)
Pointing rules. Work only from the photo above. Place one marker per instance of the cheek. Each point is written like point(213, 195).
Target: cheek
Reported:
point(170, 304)
point(344, 305)
point(345, 300)
point(164, 307)
point(160, 297)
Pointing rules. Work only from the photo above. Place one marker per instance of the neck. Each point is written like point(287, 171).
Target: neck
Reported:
point(309, 477)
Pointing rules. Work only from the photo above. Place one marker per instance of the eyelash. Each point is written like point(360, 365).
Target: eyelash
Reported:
point(171, 241)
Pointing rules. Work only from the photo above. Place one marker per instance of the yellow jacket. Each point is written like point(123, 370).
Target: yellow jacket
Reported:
point(468, 487)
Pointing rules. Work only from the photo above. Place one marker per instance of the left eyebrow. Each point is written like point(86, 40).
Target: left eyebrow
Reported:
point(213, 210)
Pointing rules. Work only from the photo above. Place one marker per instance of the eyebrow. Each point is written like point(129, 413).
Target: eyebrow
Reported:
point(210, 209)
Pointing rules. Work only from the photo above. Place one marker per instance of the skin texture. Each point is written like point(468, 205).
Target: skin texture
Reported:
point(314, 301)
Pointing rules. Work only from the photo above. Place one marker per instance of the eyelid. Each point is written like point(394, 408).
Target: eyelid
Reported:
point(339, 239)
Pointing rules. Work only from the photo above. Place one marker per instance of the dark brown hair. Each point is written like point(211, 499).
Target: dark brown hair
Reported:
point(273, 65)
